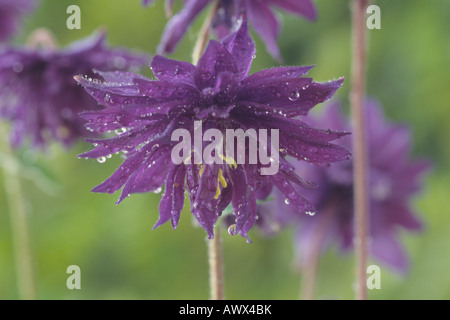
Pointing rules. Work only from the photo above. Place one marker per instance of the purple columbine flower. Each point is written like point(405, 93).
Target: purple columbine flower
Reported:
point(394, 179)
point(218, 92)
point(259, 12)
point(11, 13)
point(39, 95)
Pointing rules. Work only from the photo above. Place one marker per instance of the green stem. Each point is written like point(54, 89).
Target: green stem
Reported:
point(19, 225)
point(310, 268)
point(215, 267)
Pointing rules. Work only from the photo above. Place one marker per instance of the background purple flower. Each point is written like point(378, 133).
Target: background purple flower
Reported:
point(39, 95)
point(259, 12)
point(220, 93)
point(11, 13)
point(394, 179)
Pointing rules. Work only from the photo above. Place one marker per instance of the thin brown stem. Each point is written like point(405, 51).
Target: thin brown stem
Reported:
point(24, 261)
point(311, 266)
point(360, 160)
point(203, 35)
point(215, 267)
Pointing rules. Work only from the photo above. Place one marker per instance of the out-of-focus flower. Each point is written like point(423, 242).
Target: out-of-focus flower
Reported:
point(394, 179)
point(218, 92)
point(39, 95)
point(11, 13)
point(259, 12)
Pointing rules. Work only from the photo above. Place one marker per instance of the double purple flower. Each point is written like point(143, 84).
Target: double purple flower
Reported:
point(11, 13)
point(393, 180)
point(219, 92)
point(259, 12)
point(39, 95)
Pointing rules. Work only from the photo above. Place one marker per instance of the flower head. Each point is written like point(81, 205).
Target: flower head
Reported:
point(393, 178)
point(219, 94)
point(39, 95)
point(11, 13)
point(260, 14)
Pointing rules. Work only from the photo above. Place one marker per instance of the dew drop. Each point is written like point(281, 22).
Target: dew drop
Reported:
point(294, 96)
point(120, 131)
point(310, 213)
point(158, 190)
point(206, 75)
point(232, 230)
point(287, 201)
point(101, 159)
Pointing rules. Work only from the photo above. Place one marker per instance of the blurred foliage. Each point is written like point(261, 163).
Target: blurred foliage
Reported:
point(121, 257)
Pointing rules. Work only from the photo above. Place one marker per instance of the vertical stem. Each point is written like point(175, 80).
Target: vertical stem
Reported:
point(311, 267)
point(360, 161)
point(203, 35)
point(19, 227)
point(215, 267)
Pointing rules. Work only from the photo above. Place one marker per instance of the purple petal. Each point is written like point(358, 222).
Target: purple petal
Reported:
point(205, 216)
point(386, 248)
point(150, 174)
point(179, 24)
point(172, 201)
point(215, 60)
point(278, 73)
point(299, 140)
point(293, 197)
point(244, 200)
point(305, 8)
point(241, 46)
point(166, 69)
point(163, 92)
point(112, 94)
point(290, 97)
point(400, 214)
point(147, 2)
point(265, 24)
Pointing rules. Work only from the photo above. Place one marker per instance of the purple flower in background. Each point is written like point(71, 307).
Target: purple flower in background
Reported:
point(11, 13)
point(218, 92)
point(39, 95)
point(259, 12)
point(394, 179)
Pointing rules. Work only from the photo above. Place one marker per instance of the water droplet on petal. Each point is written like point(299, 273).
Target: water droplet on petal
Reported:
point(294, 96)
point(232, 230)
point(287, 201)
point(158, 190)
point(310, 213)
point(101, 159)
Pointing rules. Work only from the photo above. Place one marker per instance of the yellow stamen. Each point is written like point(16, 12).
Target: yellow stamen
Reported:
point(220, 181)
point(202, 169)
point(230, 161)
point(188, 159)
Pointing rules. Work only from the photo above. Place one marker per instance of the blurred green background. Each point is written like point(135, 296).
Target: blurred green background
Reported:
point(119, 254)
